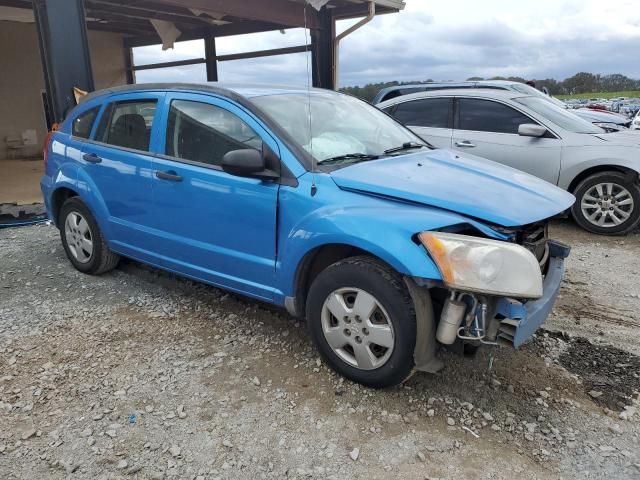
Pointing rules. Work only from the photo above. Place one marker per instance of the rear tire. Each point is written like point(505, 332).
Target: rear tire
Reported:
point(373, 305)
point(82, 239)
point(607, 203)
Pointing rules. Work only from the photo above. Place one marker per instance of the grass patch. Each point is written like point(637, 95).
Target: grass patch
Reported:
point(629, 93)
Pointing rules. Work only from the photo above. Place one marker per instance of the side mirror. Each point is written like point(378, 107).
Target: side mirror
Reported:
point(531, 130)
point(247, 163)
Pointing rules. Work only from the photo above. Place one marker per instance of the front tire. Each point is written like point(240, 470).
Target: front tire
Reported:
point(607, 203)
point(362, 321)
point(82, 239)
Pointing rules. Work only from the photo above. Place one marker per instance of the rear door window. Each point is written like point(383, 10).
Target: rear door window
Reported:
point(204, 133)
point(83, 123)
point(488, 116)
point(426, 112)
point(128, 124)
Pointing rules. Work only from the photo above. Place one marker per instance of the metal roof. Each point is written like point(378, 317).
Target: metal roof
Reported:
point(199, 18)
point(395, 4)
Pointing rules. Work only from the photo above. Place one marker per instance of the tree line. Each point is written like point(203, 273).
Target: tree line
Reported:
point(582, 82)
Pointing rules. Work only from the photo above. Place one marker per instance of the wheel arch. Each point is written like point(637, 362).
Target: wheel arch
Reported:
point(58, 197)
point(599, 169)
point(316, 260)
point(627, 177)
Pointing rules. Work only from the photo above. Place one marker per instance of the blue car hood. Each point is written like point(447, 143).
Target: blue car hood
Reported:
point(468, 185)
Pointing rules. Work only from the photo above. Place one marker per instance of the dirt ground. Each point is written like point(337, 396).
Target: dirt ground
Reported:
point(138, 374)
point(20, 181)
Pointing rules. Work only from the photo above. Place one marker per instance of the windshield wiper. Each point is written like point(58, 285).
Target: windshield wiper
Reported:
point(350, 156)
point(409, 146)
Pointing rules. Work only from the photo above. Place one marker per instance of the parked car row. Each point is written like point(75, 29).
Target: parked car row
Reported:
point(322, 204)
point(631, 110)
point(520, 128)
point(625, 106)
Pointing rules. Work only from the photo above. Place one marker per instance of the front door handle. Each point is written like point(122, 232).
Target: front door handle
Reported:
point(91, 158)
point(170, 176)
point(465, 144)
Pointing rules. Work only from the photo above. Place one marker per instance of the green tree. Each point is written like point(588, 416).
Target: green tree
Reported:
point(583, 82)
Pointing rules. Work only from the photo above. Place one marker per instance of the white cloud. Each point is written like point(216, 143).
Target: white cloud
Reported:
point(445, 41)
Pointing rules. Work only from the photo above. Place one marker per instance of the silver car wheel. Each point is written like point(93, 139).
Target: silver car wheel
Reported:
point(607, 205)
point(357, 328)
point(79, 237)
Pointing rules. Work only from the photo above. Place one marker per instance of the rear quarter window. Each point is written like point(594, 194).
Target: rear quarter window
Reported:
point(83, 123)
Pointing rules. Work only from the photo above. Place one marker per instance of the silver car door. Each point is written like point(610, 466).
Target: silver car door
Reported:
point(429, 118)
point(489, 129)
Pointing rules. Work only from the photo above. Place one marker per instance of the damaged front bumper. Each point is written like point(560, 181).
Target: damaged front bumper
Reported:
point(511, 322)
point(521, 320)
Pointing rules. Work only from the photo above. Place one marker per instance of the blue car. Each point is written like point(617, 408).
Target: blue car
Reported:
point(314, 201)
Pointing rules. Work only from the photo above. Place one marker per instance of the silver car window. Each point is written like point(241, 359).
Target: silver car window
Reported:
point(480, 115)
point(426, 112)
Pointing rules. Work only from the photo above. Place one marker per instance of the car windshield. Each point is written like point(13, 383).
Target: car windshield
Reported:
point(342, 129)
point(561, 117)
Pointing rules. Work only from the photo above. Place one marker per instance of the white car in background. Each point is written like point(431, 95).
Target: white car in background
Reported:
point(531, 134)
point(635, 125)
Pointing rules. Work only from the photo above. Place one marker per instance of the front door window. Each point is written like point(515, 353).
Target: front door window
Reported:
point(204, 133)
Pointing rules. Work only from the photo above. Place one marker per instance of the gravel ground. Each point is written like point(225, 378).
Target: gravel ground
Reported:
point(138, 374)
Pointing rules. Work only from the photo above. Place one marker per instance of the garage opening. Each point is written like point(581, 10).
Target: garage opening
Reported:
point(51, 47)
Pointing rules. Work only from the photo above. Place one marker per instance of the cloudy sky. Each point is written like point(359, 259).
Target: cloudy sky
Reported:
point(443, 41)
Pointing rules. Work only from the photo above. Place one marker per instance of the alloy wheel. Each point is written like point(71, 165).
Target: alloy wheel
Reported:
point(357, 328)
point(79, 237)
point(607, 205)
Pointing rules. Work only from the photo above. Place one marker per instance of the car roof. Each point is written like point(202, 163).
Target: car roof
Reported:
point(245, 91)
point(495, 84)
point(456, 92)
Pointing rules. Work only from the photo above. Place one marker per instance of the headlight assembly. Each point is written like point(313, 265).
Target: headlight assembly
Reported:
point(480, 265)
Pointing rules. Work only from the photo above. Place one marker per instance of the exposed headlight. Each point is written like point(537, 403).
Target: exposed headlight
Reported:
point(474, 264)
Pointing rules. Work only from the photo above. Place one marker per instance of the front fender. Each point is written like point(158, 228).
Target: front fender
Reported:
point(572, 169)
point(383, 228)
point(378, 232)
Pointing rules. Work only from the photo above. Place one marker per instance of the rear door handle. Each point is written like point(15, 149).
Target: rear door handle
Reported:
point(91, 158)
point(170, 176)
point(465, 144)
